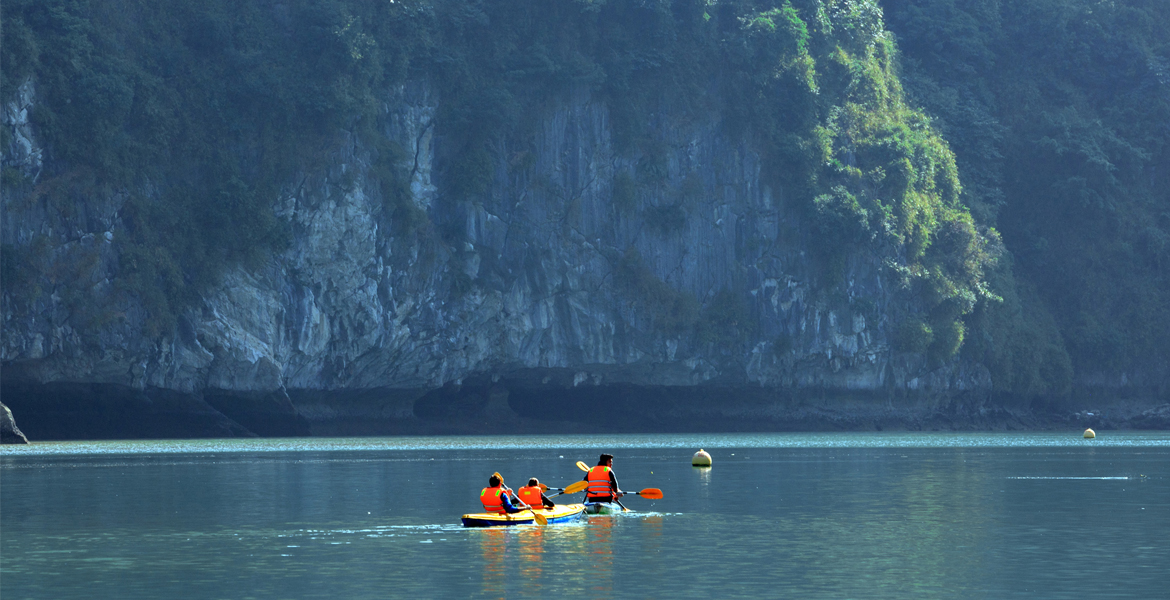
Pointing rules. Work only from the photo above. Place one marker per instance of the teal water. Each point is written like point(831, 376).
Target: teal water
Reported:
point(870, 515)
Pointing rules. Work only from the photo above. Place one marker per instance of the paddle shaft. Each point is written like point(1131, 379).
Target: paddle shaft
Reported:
point(539, 518)
point(584, 467)
point(573, 488)
point(514, 495)
point(509, 490)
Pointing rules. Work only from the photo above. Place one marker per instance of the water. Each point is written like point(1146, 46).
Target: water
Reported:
point(874, 515)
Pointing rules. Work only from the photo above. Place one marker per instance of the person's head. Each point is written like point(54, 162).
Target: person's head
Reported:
point(494, 481)
point(533, 482)
point(606, 460)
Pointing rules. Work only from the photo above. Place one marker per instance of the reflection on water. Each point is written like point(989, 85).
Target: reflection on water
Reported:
point(704, 476)
point(512, 559)
point(531, 552)
point(926, 519)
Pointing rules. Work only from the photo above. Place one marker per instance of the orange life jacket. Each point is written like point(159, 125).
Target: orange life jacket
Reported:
point(490, 497)
point(599, 484)
point(530, 495)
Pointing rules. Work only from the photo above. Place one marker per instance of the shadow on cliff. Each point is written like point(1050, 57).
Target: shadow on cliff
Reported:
point(536, 402)
point(94, 411)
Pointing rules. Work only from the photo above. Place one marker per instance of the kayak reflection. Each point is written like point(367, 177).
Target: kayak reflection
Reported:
point(600, 548)
point(531, 541)
point(523, 549)
point(493, 546)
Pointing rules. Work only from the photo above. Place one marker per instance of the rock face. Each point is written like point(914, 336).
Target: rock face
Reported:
point(23, 151)
point(566, 285)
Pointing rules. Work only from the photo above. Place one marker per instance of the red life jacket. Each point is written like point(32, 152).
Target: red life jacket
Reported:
point(599, 484)
point(530, 495)
point(490, 497)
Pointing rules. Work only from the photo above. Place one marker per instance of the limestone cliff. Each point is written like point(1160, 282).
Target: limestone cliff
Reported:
point(541, 295)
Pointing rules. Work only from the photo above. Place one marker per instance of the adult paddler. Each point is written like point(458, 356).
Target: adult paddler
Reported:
point(533, 496)
point(495, 497)
point(603, 485)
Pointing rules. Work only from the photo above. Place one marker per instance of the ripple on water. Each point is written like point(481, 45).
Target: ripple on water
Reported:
point(624, 441)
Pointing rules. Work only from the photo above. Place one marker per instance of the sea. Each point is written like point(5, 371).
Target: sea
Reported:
point(785, 515)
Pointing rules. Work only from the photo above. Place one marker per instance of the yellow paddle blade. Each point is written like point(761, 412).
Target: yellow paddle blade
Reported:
point(497, 474)
point(543, 487)
point(543, 520)
point(651, 494)
point(582, 466)
point(577, 487)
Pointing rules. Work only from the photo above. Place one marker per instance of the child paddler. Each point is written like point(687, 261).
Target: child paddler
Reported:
point(603, 485)
point(495, 497)
point(532, 495)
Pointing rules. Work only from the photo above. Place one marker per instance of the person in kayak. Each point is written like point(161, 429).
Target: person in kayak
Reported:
point(495, 497)
point(603, 485)
point(532, 495)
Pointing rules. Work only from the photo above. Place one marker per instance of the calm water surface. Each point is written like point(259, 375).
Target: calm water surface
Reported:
point(875, 515)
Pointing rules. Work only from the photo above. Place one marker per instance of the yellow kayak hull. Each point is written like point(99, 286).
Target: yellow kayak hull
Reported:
point(557, 514)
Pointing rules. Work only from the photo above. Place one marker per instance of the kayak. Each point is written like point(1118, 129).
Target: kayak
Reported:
point(558, 514)
point(602, 508)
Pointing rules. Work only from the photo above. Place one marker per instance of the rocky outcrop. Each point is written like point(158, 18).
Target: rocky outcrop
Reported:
point(9, 432)
point(1153, 418)
point(1116, 415)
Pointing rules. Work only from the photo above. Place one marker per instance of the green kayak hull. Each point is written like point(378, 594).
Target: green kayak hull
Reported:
point(602, 508)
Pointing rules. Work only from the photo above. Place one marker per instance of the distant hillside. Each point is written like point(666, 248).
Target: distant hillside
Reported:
point(1059, 115)
point(333, 216)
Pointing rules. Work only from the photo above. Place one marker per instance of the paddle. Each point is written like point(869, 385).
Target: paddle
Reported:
point(574, 488)
point(649, 493)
